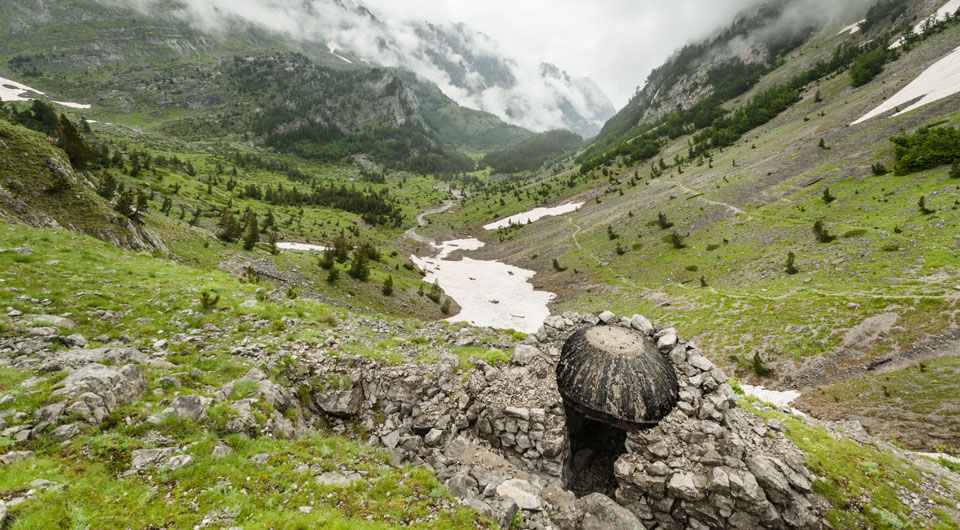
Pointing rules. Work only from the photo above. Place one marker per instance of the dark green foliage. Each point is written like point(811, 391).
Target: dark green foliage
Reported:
point(72, 143)
point(533, 152)
point(821, 233)
point(883, 10)
point(125, 203)
point(758, 367)
point(827, 198)
point(925, 149)
point(333, 275)
point(611, 234)
point(107, 186)
point(790, 267)
point(272, 243)
point(922, 206)
point(557, 267)
point(435, 293)
point(208, 300)
point(703, 282)
point(291, 293)
point(955, 169)
point(620, 250)
point(868, 65)
point(251, 234)
point(662, 221)
point(230, 229)
point(445, 307)
point(387, 289)
point(879, 169)
point(676, 240)
point(359, 265)
point(821, 144)
point(420, 290)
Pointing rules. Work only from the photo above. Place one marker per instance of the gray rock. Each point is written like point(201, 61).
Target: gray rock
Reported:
point(188, 407)
point(14, 456)
point(524, 354)
point(260, 459)
point(51, 320)
point(66, 432)
point(641, 324)
point(178, 461)
point(336, 480)
point(143, 458)
point(600, 512)
point(42, 484)
point(667, 342)
point(43, 331)
point(221, 451)
point(102, 388)
point(769, 477)
point(684, 486)
point(517, 412)
point(75, 341)
point(521, 492)
point(607, 317)
point(700, 363)
point(462, 485)
point(340, 402)
point(3, 513)
point(433, 438)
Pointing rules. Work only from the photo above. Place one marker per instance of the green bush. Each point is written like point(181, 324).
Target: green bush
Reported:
point(925, 149)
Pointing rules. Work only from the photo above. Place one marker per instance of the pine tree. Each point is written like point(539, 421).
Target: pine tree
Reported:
point(141, 207)
point(445, 307)
point(821, 232)
point(272, 243)
point(662, 221)
point(359, 266)
point(435, 292)
point(227, 226)
point(955, 169)
point(333, 275)
point(70, 141)
point(922, 204)
point(125, 202)
point(251, 234)
point(827, 198)
point(791, 269)
point(388, 286)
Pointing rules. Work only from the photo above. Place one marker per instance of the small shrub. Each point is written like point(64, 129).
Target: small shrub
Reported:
point(827, 198)
point(676, 240)
point(620, 250)
point(857, 232)
point(922, 206)
point(759, 368)
point(821, 232)
point(387, 286)
point(445, 306)
point(435, 293)
point(692, 268)
point(703, 282)
point(790, 267)
point(208, 300)
point(291, 293)
point(879, 169)
point(713, 246)
point(662, 222)
point(333, 275)
point(955, 169)
point(330, 320)
point(557, 267)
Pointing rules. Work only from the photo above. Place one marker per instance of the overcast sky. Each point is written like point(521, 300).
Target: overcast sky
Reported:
point(616, 42)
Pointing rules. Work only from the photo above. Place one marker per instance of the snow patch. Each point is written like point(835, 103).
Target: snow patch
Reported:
point(947, 10)
point(941, 80)
point(302, 247)
point(12, 91)
point(852, 28)
point(778, 398)
point(490, 293)
point(533, 215)
point(333, 47)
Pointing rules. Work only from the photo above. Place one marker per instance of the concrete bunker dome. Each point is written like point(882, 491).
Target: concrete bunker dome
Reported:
point(616, 375)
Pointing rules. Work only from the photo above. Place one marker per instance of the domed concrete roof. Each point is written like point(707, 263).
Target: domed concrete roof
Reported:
point(616, 375)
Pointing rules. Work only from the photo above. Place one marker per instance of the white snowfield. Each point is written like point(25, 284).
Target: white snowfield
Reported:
point(533, 215)
point(333, 47)
point(852, 28)
point(490, 293)
point(13, 91)
point(947, 10)
point(303, 247)
point(941, 80)
point(780, 399)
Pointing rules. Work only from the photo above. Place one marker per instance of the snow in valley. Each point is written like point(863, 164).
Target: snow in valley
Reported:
point(302, 247)
point(13, 91)
point(778, 398)
point(937, 82)
point(533, 215)
point(490, 293)
point(852, 28)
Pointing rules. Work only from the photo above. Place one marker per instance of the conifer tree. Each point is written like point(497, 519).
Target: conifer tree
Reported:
point(251, 234)
point(70, 141)
point(227, 226)
point(359, 266)
point(388, 286)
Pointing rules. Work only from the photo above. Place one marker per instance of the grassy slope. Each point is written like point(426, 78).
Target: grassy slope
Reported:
point(154, 298)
